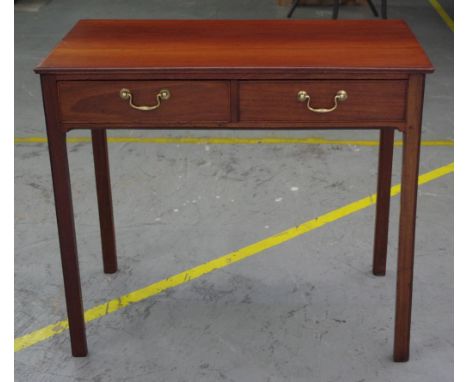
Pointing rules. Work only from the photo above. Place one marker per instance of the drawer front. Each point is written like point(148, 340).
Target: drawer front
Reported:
point(101, 101)
point(367, 100)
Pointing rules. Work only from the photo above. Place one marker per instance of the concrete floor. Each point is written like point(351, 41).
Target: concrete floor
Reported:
point(307, 310)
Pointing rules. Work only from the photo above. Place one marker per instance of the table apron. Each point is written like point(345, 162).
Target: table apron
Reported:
point(374, 125)
point(232, 104)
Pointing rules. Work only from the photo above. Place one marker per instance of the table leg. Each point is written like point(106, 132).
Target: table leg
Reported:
point(65, 220)
point(104, 198)
point(409, 188)
point(384, 184)
point(67, 240)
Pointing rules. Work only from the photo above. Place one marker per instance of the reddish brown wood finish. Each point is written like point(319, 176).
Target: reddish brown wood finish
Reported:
point(257, 125)
point(383, 201)
point(368, 100)
point(100, 102)
point(234, 100)
point(206, 45)
point(65, 219)
point(409, 190)
point(104, 198)
point(228, 74)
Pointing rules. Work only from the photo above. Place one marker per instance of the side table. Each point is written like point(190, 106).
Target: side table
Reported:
point(235, 74)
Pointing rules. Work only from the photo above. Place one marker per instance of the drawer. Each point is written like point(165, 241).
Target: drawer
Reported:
point(367, 100)
point(101, 101)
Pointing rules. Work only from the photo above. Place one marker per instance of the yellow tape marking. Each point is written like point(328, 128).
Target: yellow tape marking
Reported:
point(230, 141)
point(441, 11)
point(221, 262)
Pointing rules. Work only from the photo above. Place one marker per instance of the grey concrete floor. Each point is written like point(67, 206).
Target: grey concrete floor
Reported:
point(307, 310)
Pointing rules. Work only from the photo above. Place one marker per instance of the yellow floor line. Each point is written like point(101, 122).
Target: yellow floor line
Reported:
point(230, 141)
point(441, 11)
point(98, 311)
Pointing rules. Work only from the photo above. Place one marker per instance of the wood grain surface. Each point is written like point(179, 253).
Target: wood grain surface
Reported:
point(99, 101)
point(367, 100)
point(210, 45)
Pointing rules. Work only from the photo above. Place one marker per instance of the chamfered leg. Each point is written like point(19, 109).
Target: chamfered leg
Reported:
point(65, 219)
point(383, 201)
point(104, 198)
point(409, 188)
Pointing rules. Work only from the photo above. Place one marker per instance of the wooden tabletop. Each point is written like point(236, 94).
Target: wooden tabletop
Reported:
point(239, 45)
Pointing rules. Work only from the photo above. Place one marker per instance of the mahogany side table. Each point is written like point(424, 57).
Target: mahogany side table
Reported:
point(233, 74)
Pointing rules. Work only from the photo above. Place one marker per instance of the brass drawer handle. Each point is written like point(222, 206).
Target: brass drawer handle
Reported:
point(163, 94)
point(341, 96)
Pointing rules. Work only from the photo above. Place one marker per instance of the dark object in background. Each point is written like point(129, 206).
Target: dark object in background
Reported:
point(336, 7)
